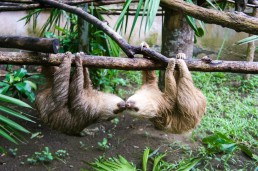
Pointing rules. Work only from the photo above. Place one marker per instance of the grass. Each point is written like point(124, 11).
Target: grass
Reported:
point(232, 111)
point(232, 106)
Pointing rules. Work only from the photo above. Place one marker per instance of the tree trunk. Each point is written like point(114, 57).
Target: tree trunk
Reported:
point(251, 48)
point(83, 30)
point(177, 37)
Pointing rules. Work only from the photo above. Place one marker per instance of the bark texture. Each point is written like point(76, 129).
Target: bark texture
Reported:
point(234, 20)
point(30, 58)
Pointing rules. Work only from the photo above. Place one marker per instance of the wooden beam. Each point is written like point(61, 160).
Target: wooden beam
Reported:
point(32, 58)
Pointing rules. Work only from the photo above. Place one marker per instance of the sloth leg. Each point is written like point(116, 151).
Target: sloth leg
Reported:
point(61, 78)
point(170, 82)
point(148, 77)
point(188, 97)
point(87, 81)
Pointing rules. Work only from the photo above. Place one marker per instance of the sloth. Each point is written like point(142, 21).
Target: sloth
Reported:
point(70, 105)
point(178, 109)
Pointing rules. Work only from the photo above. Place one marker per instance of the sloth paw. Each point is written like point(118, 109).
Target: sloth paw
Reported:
point(78, 60)
point(144, 45)
point(180, 56)
point(171, 63)
point(66, 61)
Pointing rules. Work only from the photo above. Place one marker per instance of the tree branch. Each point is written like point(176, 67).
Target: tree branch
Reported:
point(31, 58)
point(129, 50)
point(234, 20)
point(46, 45)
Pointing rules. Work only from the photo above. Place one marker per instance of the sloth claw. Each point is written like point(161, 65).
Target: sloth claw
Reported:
point(180, 56)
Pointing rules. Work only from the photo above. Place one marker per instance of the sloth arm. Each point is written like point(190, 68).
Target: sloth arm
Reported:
point(188, 101)
point(76, 91)
point(60, 85)
point(148, 77)
point(170, 83)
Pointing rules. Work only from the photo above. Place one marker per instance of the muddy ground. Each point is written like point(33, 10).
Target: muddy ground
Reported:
point(129, 138)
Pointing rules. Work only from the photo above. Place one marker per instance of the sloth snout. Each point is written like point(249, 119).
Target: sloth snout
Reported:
point(131, 106)
point(121, 107)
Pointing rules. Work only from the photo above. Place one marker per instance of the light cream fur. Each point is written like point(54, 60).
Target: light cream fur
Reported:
point(70, 105)
point(178, 108)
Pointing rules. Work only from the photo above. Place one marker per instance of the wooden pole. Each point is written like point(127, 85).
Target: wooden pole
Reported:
point(31, 58)
point(45, 45)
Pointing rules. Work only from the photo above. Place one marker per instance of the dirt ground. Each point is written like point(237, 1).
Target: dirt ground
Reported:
point(129, 138)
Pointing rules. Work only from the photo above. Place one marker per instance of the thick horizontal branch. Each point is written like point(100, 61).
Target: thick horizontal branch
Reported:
point(22, 5)
point(46, 45)
point(234, 20)
point(30, 58)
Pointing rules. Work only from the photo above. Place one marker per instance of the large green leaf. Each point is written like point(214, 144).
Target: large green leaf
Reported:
point(122, 15)
point(6, 136)
point(13, 101)
point(14, 113)
point(13, 124)
point(145, 159)
point(136, 17)
point(20, 73)
point(31, 84)
point(247, 40)
point(189, 165)
point(113, 164)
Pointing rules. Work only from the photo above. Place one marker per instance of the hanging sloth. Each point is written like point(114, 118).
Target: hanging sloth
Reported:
point(70, 105)
point(178, 109)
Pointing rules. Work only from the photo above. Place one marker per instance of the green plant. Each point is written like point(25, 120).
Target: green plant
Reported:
point(112, 164)
point(45, 156)
point(9, 129)
point(103, 145)
point(13, 151)
point(61, 153)
point(16, 84)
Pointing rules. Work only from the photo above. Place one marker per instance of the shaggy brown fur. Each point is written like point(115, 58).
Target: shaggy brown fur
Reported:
point(178, 109)
point(70, 106)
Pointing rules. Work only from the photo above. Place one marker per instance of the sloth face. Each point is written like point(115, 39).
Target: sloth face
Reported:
point(111, 106)
point(143, 103)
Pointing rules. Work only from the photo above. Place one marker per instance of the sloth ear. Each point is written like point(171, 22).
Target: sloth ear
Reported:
point(148, 77)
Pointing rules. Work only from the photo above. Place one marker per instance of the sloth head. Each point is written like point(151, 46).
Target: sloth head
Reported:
point(145, 102)
point(110, 106)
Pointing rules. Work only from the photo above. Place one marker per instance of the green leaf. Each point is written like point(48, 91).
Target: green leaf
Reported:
point(9, 78)
point(247, 40)
point(6, 136)
point(246, 150)
point(13, 124)
point(145, 159)
point(14, 113)
point(156, 161)
point(3, 84)
point(189, 165)
point(13, 101)
point(20, 73)
point(136, 17)
point(121, 16)
point(4, 89)
point(31, 84)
